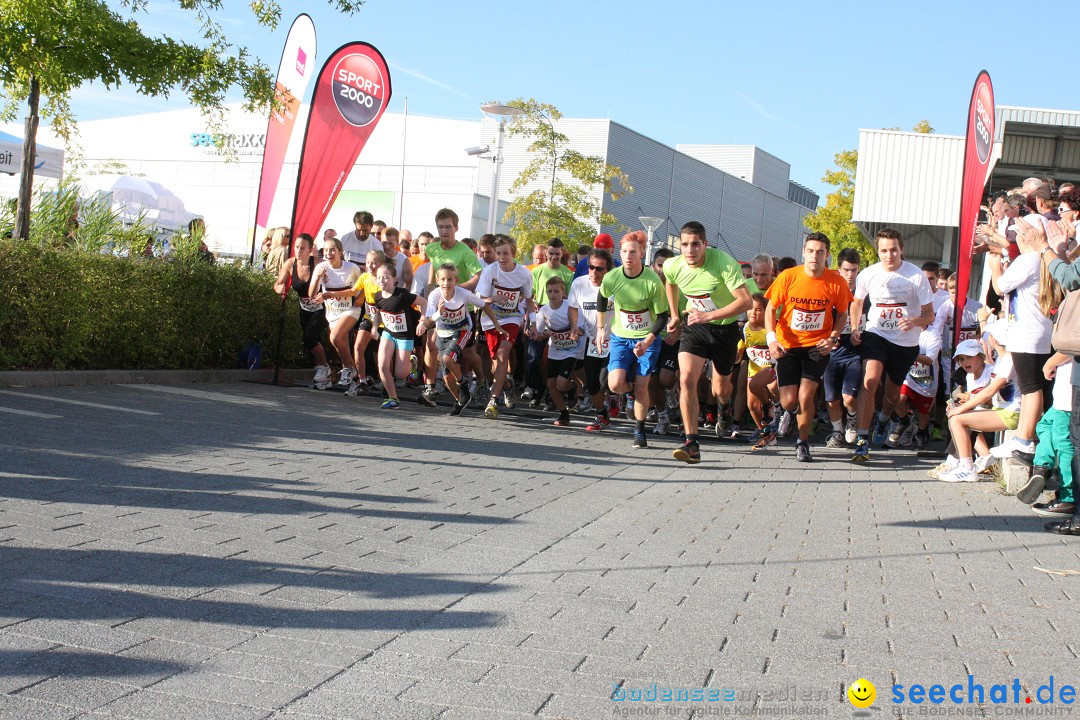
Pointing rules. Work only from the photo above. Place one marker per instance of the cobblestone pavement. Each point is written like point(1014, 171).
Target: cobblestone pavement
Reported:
point(243, 551)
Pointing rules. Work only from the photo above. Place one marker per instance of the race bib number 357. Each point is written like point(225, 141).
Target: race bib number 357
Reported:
point(807, 320)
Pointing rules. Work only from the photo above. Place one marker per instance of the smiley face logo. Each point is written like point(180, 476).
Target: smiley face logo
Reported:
point(862, 693)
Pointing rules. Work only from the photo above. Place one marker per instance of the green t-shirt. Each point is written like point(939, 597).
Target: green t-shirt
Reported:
point(638, 301)
point(460, 255)
point(709, 287)
point(541, 273)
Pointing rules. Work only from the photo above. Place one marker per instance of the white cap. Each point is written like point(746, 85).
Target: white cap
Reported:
point(969, 348)
point(999, 330)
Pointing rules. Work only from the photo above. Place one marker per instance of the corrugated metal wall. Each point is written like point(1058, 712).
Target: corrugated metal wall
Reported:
point(802, 195)
point(771, 174)
point(735, 160)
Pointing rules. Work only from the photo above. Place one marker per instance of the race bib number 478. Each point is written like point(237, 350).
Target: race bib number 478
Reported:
point(889, 316)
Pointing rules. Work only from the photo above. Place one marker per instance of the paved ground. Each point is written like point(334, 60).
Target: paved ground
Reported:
point(241, 551)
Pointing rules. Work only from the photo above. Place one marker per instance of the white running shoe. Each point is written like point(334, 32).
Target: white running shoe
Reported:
point(346, 377)
point(984, 463)
point(951, 462)
point(1010, 447)
point(322, 374)
point(354, 389)
point(892, 434)
point(663, 423)
point(584, 405)
point(960, 474)
point(907, 438)
point(508, 399)
point(787, 420)
point(851, 430)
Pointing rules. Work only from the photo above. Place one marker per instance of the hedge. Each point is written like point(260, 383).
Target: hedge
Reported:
point(65, 309)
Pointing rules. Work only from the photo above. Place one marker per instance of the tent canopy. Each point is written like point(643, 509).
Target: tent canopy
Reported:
point(49, 163)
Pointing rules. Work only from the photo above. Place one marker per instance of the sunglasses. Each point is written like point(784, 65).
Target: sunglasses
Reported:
point(598, 268)
point(1064, 209)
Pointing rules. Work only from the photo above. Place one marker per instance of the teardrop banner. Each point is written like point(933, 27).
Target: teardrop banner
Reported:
point(296, 68)
point(351, 94)
point(978, 152)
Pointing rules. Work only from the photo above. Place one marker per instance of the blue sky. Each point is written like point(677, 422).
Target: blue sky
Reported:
point(797, 79)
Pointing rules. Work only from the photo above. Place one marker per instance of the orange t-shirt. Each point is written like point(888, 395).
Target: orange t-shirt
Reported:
point(806, 305)
point(417, 260)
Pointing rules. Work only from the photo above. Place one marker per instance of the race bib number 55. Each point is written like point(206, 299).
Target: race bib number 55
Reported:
point(636, 321)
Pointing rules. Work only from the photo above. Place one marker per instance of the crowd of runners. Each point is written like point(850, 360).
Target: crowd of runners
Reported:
point(696, 342)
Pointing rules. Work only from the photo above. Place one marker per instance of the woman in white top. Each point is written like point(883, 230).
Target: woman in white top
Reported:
point(334, 280)
point(1028, 301)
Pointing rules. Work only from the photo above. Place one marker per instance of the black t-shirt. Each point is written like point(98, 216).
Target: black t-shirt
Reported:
point(397, 313)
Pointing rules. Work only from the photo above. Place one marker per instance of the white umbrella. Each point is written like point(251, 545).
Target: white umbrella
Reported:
point(49, 161)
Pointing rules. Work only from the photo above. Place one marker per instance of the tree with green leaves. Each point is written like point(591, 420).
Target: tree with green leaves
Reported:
point(556, 206)
point(48, 48)
point(834, 217)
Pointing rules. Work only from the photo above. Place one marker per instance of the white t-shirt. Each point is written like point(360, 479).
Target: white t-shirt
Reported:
point(400, 261)
point(420, 280)
point(1062, 392)
point(583, 296)
point(557, 322)
point(974, 384)
point(939, 297)
point(1029, 329)
point(1008, 397)
point(454, 316)
point(923, 379)
point(969, 324)
point(508, 292)
point(893, 296)
point(341, 278)
point(356, 250)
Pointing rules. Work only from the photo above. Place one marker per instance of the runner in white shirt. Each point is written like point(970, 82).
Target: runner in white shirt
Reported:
point(566, 348)
point(333, 280)
point(944, 326)
point(356, 244)
point(393, 252)
point(582, 314)
point(900, 307)
point(448, 312)
point(508, 285)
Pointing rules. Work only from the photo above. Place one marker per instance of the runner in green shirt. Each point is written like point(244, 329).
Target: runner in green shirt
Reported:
point(716, 294)
point(641, 310)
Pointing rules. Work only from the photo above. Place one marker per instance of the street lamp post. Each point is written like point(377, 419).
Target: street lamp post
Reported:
point(650, 224)
point(500, 113)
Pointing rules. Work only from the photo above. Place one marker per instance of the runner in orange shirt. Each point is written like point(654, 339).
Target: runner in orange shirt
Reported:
point(807, 308)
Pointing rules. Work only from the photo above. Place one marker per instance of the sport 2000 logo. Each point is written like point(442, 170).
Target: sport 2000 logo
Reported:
point(359, 89)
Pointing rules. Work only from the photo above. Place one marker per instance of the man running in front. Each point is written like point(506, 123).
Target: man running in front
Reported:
point(716, 294)
point(807, 308)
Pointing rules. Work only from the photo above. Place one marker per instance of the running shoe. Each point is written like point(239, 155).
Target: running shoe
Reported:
point(921, 439)
point(1035, 485)
point(629, 404)
point(688, 453)
point(723, 422)
point(456, 410)
point(835, 440)
point(584, 405)
point(491, 412)
point(802, 452)
point(346, 377)
point(324, 385)
point(960, 474)
point(601, 422)
point(710, 419)
point(663, 423)
point(767, 439)
point(563, 419)
point(907, 438)
point(508, 400)
point(390, 404)
point(322, 374)
point(787, 421)
point(736, 431)
point(354, 389)
point(984, 463)
point(950, 463)
point(851, 430)
point(862, 451)
point(1068, 526)
point(414, 369)
point(480, 392)
point(613, 405)
point(639, 440)
point(878, 433)
point(431, 391)
point(425, 400)
point(893, 430)
point(464, 396)
point(1011, 447)
point(528, 394)
point(536, 402)
point(650, 417)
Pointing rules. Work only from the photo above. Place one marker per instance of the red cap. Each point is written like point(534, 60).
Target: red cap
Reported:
point(604, 241)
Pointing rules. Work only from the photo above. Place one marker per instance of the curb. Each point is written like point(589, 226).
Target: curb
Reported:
point(58, 378)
